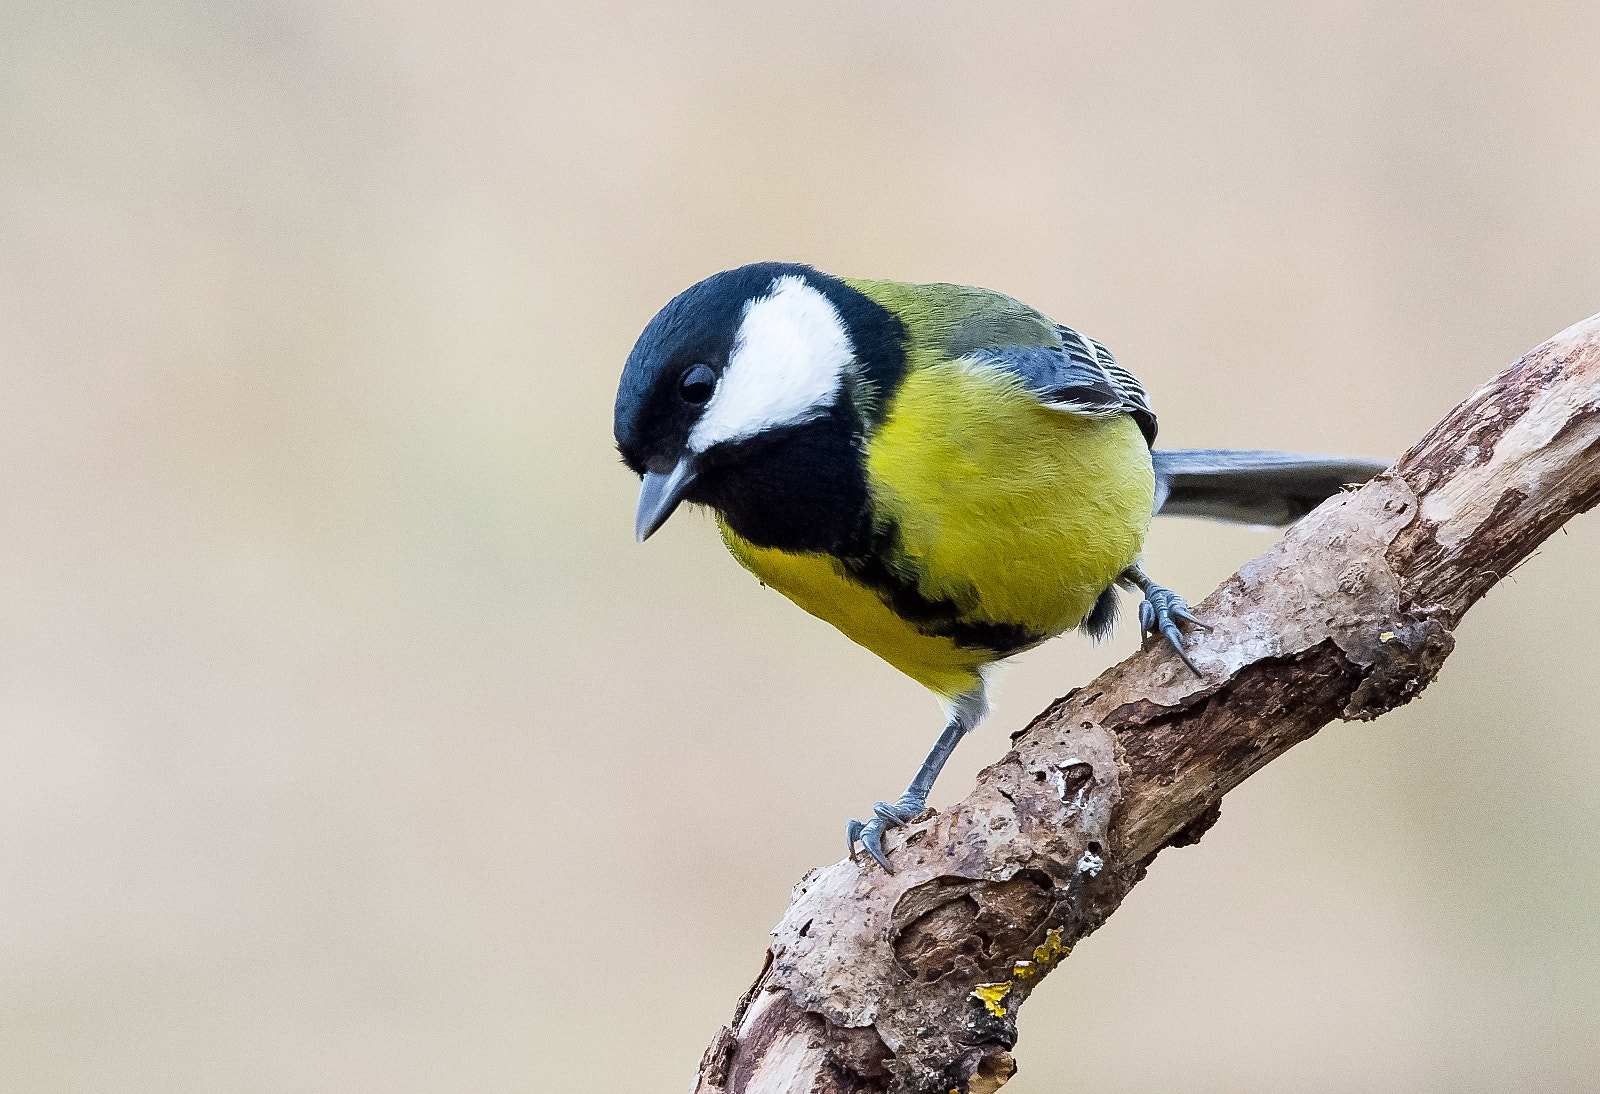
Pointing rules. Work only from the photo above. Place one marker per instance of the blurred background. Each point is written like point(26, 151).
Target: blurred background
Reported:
point(348, 742)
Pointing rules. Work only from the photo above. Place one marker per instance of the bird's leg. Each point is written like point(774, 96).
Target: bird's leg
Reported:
point(1161, 611)
point(966, 712)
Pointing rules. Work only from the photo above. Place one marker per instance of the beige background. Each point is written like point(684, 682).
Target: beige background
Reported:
point(349, 743)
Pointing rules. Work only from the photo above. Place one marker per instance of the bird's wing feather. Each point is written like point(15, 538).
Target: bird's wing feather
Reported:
point(1078, 377)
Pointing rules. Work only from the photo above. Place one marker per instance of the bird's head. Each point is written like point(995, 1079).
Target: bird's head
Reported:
point(745, 393)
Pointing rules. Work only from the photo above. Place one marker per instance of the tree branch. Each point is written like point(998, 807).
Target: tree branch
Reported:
point(910, 983)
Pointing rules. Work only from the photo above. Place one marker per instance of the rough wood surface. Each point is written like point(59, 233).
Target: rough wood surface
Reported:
point(910, 983)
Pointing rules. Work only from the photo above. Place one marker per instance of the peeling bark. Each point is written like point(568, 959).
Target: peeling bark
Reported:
point(910, 983)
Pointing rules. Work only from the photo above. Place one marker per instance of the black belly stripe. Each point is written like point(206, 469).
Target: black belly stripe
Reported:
point(803, 489)
point(936, 617)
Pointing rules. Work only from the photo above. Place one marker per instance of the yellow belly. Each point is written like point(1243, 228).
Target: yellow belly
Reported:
point(1015, 513)
point(819, 584)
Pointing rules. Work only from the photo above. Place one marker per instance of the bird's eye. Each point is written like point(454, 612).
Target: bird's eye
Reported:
point(697, 385)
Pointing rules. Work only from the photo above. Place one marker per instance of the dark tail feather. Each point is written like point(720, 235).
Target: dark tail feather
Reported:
point(1250, 487)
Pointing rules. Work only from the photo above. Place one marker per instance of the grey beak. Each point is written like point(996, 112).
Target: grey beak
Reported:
point(659, 495)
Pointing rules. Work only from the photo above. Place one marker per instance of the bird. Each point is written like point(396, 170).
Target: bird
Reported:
point(942, 472)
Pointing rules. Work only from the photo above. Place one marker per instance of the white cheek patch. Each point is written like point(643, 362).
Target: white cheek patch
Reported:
point(787, 363)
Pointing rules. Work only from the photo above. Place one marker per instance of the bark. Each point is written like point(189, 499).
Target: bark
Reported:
point(910, 983)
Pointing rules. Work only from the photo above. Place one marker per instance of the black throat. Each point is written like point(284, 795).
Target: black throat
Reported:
point(800, 488)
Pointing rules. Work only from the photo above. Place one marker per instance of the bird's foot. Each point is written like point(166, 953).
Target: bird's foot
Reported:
point(1160, 612)
point(885, 815)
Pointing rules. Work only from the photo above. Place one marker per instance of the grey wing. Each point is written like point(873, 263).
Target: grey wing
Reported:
point(1081, 377)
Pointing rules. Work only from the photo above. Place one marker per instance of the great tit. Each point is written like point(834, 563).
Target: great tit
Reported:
point(941, 472)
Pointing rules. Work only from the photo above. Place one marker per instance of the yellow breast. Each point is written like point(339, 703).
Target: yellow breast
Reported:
point(1015, 513)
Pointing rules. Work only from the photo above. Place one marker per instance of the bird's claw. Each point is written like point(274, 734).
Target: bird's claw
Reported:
point(885, 815)
point(1160, 612)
